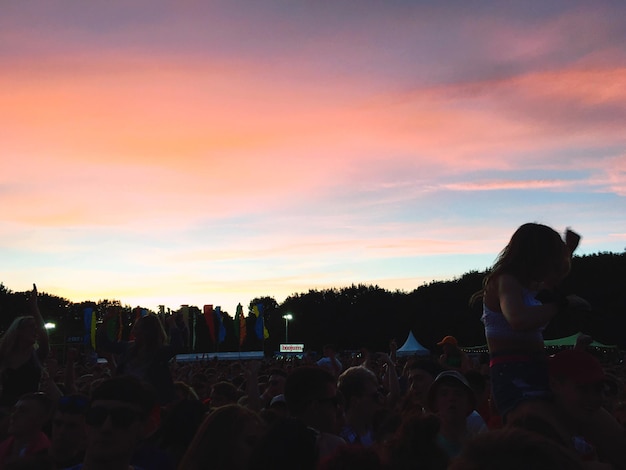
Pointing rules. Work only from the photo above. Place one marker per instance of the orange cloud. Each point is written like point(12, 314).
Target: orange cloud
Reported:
point(112, 139)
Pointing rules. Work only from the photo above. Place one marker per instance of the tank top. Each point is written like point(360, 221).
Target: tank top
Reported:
point(17, 382)
point(497, 326)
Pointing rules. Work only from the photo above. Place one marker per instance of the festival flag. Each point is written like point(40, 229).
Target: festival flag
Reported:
point(138, 312)
point(259, 325)
point(210, 321)
point(93, 330)
point(221, 331)
point(184, 310)
point(89, 317)
point(240, 324)
point(120, 325)
point(113, 324)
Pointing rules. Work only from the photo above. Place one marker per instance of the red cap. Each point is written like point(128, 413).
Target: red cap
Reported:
point(448, 340)
point(578, 366)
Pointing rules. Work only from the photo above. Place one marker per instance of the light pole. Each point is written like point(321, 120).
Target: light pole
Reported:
point(287, 317)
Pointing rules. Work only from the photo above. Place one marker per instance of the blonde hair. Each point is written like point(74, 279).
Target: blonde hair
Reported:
point(9, 340)
point(155, 335)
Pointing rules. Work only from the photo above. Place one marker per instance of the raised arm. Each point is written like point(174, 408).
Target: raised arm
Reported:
point(251, 372)
point(70, 371)
point(391, 379)
point(572, 239)
point(393, 350)
point(519, 315)
point(42, 334)
point(177, 342)
point(47, 384)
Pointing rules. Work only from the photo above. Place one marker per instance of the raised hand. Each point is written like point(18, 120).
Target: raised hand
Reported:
point(572, 239)
point(71, 354)
point(32, 298)
point(52, 366)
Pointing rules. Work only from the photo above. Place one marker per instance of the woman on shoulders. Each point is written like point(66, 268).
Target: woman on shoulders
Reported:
point(148, 356)
point(519, 299)
point(23, 349)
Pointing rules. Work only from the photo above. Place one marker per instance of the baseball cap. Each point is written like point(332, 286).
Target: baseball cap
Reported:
point(278, 400)
point(448, 340)
point(450, 376)
point(578, 366)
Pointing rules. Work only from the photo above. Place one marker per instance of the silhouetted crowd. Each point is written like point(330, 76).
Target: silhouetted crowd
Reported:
point(516, 407)
point(366, 411)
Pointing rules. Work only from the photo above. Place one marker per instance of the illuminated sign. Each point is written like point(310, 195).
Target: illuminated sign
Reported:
point(292, 348)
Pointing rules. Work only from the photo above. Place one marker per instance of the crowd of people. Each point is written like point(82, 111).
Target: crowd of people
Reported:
point(515, 408)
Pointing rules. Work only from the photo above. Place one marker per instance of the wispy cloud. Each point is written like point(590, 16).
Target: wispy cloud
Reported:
point(506, 185)
point(232, 147)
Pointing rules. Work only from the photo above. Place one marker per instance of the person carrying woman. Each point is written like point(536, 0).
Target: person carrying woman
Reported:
point(147, 356)
point(520, 296)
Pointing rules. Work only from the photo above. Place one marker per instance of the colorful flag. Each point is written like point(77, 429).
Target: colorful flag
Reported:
point(120, 326)
point(221, 330)
point(184, 310)
point(240, 324)
point(259, 325)
point(113, 324)
point(89, 317)
point(138, 312)
point(210, 321)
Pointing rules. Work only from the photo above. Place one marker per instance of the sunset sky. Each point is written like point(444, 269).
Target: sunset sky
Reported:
point(209, 152)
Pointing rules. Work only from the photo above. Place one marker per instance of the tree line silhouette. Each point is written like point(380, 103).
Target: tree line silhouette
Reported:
point(364, 315)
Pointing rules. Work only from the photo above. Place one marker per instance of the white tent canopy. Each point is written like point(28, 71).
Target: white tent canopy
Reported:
point(412, 347)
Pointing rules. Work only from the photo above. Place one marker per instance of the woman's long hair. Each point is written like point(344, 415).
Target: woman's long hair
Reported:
point(153, 334)
point(534, 251)
point(215, 442)
point(9, 340)
point(414, 444)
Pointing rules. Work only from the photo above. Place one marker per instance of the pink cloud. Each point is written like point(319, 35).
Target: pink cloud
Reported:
point(615, 175)
point(121, 137)
point(507, 185)
point(579, 33)
point(488, 125)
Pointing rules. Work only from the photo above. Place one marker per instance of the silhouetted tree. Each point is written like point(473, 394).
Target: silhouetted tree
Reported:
point(365, 315)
